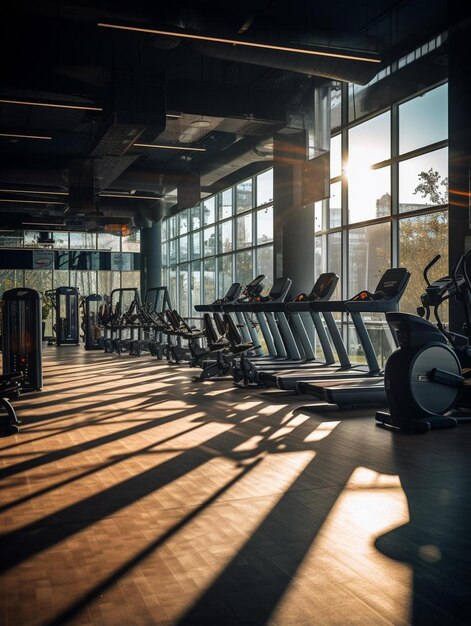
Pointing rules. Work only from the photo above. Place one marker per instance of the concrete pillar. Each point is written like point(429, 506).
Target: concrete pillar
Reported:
point(151, 257)
point(293, 224)
point(459, 134)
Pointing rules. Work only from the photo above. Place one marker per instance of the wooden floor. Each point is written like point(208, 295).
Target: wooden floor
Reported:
point(133, 496)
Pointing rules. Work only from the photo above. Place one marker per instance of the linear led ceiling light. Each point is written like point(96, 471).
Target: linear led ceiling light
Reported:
point(66, 193)
point(20, 136)
point(242, 42)
point(129, 196)
point(52, 105)
point(35, 191)
point(43, 223)
point(164, 147)
point(31, 201)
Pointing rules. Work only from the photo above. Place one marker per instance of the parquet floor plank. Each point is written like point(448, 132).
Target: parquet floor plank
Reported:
point(134, 496)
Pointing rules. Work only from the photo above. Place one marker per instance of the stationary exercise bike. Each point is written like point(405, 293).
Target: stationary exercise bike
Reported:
point(429, 374)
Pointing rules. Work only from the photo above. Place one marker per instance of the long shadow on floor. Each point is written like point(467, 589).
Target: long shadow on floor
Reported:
point(434, 471)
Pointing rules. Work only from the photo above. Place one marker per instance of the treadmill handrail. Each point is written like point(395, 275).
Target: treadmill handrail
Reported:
point(372, 306)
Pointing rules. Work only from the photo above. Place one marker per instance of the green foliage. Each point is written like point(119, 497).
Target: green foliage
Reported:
point(46, 307)
point(421, 238)
point(432, 187)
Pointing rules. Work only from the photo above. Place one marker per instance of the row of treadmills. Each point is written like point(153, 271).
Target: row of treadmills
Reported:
point(290, 331)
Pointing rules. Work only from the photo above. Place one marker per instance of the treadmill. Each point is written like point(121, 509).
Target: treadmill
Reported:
point(232, 295)
point(268, 327)
point(247, 331)
point(386, 297)
point(363, 390)
point(293, 330)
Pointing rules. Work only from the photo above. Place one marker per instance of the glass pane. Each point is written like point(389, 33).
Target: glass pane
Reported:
point(195, 285)
point(131, 279)
point(423, 120)
point(61, 240)
point(336, 156)
point(182, 222)
point(265, 187)
point(244, 231)
point(320, 256)
point(209, 242)
point(79, 260)
point(196, 245)
point(183, 306)
point(334, 260)
point(358, 103)
point(87, 241)
point(172, 287)
point(319, 216)
point(369, 143)
point(86, 282)
point(369, 195)
point(165, 253)
point(10, 279)
point(420, 239)
point(225, 237)
point(369, 257)
point(61, 278)
point(106, 241)
point(164, 230)
point(195, 217)
point(244, 267)
point(11, 239)
point(209, 286)
point(335, 104)
point(335, 205)
point(131, 243)
point(244, 196)
point(171, 227)
point(209, 210)
point(225, 204)
point(265, 266)
point(106, 282)
point(224, 274)
point(41, 280)
point(164, 276)
point(172, 248)
point(265, 225)
point(62, 260)
point(423, 181)
point(31, 238)
point(183, 249)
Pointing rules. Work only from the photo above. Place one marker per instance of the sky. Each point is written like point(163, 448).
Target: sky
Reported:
point(422, 121)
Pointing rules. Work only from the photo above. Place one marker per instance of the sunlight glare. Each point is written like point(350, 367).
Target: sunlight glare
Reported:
point(321, 432)
point(344, 550)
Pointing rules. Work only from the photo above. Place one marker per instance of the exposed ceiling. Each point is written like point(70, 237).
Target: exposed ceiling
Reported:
point(215, 104)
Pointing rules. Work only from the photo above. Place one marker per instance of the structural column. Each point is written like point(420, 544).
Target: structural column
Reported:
point(293, 223)
point(459, 134)
point(151, 257)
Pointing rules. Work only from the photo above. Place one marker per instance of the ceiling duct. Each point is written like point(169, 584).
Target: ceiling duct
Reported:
point(82, 187)
point(154, 212)
point(358, 72)
point(188, 192)
point(137, 111)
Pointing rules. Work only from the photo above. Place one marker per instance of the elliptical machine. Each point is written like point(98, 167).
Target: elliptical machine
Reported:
point(426, 378)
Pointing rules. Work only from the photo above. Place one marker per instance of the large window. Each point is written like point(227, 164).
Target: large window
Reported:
point(388, 197)
point(228, 237)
